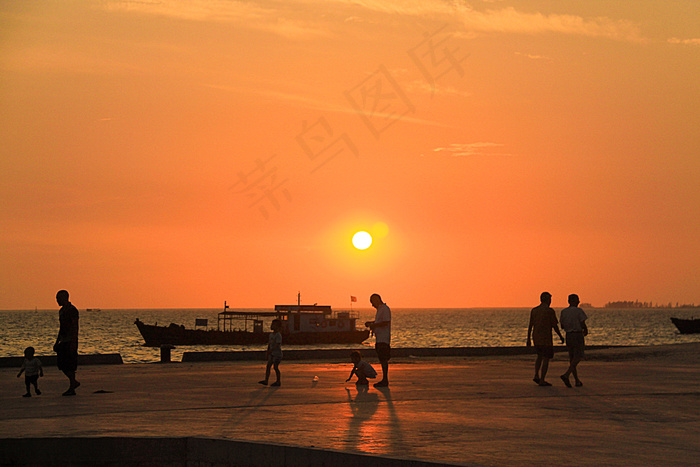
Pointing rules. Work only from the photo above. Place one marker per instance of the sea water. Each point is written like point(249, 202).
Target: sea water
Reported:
point(114, 331)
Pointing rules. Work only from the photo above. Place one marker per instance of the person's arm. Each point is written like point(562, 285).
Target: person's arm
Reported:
point(381, 324)
point(354, 368)
point(556, 329)
point(529, 332)
point(370, 325)
point(21, 370)
point(41, 368)
point(584, 327)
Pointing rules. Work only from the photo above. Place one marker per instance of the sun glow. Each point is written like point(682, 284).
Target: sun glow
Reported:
point(362, 240)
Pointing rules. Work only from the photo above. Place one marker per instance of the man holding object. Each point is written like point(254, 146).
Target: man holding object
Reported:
point(381, 327)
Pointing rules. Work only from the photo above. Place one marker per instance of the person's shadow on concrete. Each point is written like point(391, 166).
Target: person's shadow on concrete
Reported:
point(257, 399)
point(362, 407)
point(395, 437)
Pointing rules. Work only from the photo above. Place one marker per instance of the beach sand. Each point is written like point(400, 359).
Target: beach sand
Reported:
point(638, 406)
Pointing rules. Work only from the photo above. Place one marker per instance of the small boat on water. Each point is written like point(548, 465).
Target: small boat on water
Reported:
point(687, 326)
point(301, 325)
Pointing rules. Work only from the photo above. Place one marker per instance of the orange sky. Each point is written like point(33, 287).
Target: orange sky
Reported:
point(182, 153)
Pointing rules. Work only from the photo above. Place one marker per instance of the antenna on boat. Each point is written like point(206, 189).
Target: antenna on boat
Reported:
point(225, 306)
point(298, 298)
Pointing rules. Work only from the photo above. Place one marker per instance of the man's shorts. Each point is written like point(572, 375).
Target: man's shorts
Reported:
point(383, 351)
point(575, 343)
point(66, 356)
point(545, 351)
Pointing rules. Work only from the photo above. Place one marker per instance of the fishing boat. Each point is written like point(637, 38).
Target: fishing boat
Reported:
point(687, 326)
point(301, 325)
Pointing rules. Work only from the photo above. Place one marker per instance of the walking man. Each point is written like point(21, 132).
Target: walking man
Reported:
point(381, 326)
point(542, 320)
point(66, 346)
point(573, 321)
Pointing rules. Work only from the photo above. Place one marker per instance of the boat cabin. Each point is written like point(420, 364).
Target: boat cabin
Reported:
point(294, 318)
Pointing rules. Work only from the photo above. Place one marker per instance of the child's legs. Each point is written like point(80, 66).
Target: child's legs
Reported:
point(545, 367)
point(27, 382)
point(267, 369)
point(538, 365)
point(35, 381)
point(277, 368)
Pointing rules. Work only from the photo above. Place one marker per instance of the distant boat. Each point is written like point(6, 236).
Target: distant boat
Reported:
point(301, 325)
point(92, 309)
point(687, 326)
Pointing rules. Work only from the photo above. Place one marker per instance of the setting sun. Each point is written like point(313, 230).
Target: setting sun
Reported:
point(362, 240)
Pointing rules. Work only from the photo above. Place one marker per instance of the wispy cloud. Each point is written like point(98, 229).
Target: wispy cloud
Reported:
point(472, 149)
point(196, 10)
point(675, 40)
point(316, 104)
point(421, 86)
point(507, 19)
point(295, 19)
point(534, 57)
point(278, 20)
point(510, 20)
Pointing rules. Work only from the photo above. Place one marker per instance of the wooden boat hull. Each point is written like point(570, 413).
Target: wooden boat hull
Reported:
point(155, 336)
point(687, 326)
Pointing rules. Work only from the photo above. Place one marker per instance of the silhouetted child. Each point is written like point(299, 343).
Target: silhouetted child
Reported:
point(274, 352)
point(361, 368)
point(32, 369)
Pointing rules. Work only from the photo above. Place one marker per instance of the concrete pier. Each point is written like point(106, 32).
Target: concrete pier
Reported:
point(638, 406)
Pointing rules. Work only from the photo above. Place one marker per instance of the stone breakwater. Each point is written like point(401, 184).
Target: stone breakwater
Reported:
point(301, 355)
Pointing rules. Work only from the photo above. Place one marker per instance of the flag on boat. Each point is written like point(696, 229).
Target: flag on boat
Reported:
point(353, 298)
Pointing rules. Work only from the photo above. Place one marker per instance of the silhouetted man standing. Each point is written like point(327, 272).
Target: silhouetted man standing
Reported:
point(542, 320)
point(573, 321)
point(66, 346)
point(381, 326)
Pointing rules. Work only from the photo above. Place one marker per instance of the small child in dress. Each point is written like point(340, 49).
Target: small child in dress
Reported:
point(274, 352)
point(32, 369)
point(361, 368)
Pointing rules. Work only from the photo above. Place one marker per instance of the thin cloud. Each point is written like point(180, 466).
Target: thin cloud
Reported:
point(421, 86)
point(250, 14)
point(510, 20)
point(472, 149)
point(287, 18)
point(675, 40)
point(506, 20)
point(320, 105)
point(534, 57)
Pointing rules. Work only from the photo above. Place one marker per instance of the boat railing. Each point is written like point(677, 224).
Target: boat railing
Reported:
point(347, 314)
